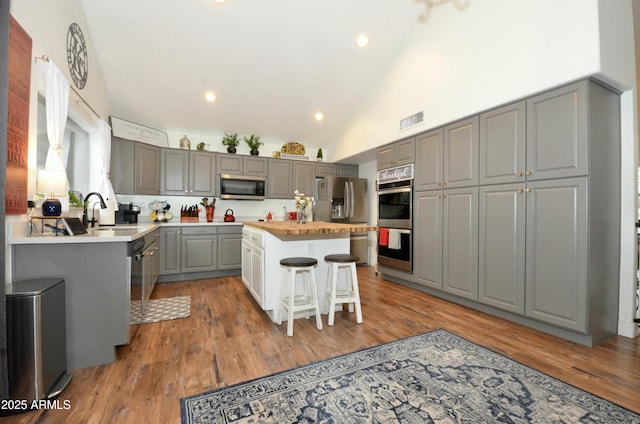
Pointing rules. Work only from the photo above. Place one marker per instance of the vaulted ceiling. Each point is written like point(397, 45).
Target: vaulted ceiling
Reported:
point(272, 64)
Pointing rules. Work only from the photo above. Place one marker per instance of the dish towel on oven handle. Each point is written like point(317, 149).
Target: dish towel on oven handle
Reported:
point(384, 237)
point(394, 239)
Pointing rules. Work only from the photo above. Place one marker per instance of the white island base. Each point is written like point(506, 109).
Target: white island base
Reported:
point(263, 275)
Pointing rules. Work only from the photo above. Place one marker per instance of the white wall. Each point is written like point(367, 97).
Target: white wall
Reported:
point(461, 62)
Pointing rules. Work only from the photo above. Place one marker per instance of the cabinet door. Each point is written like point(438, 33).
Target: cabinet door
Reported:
point(429, 153)
point(460, 242)
point(147, 169)
point(405, 151)
point(229, 251)
point(123, 165)
point(256, 166)
point(202, 173)
point(325, 170)
point(257, 274)
point(501, 247)
point(175, 172)
point(229, 164)
point(170, 247)
point(246, 263)
point(343, 170)
point(304, 177)
point(557, 133)
point(280, 183)
point(427, 257)
point(556, 253)
point(386, 156)
point(502, 145)
point(461, 153)
point(199, 253)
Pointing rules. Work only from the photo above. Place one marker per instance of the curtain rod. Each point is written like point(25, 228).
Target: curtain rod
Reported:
point(45, 58)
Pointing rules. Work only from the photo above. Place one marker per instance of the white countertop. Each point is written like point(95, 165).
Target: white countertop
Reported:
point(107, 234)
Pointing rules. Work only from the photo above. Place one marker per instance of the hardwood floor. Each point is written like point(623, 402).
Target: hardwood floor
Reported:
point(229, 339)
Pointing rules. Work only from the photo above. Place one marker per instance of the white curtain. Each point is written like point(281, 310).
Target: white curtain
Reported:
point(57, 107)
point(106, 189)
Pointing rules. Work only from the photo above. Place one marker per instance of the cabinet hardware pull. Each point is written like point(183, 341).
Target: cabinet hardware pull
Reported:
point(519, 190)
point(528, 172)
point(528, 190)
point(519, 174)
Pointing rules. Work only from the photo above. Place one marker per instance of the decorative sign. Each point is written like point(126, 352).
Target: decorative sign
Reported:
point(19, 75)
point(398, 173)
point(132, 131)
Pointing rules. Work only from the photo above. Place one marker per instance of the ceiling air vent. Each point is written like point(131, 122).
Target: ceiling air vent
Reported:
point(411, 121)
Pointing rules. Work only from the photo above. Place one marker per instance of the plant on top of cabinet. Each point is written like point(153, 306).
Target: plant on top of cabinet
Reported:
point(254, 143)
point(231, 141)
point(319, 155)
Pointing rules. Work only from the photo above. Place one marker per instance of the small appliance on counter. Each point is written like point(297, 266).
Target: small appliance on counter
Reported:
point(127, 213)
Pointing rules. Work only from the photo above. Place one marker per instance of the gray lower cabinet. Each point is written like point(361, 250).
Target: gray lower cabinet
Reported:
point(428, 238)
point(460, 242)
point(229, 247)
point(557, 279)
point(135, 167)
point(199, 248)
point(501, 264)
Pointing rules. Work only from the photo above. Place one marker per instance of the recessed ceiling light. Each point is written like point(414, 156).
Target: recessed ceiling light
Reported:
point(319, 116)
point(362, 40)
point(220, 1)
point(210, 96)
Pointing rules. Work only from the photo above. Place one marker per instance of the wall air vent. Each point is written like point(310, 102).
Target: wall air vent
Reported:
point(411, 121)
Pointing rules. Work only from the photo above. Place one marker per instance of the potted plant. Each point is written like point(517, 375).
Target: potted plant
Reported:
point(319, 155)
point(231, 141)
point(76, 205)
point(254, 143)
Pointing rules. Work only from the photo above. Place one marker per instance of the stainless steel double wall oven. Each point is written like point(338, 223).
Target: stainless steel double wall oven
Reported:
point(395, 218)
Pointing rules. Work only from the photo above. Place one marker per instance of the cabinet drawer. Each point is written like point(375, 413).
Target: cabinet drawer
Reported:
point(186, 231)
point(231, 229)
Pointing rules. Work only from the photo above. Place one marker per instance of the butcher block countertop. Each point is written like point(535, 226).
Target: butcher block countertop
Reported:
point(314, 227)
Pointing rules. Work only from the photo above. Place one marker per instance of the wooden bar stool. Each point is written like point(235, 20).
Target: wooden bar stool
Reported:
point(306, 301)
point(349, 294)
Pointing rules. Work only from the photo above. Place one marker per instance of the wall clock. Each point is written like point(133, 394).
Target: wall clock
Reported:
point(77, 56)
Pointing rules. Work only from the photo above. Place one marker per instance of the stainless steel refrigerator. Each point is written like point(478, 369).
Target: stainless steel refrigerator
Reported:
point(344, 200)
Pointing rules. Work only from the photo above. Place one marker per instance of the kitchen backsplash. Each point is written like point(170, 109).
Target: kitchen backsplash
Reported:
point(243, 210)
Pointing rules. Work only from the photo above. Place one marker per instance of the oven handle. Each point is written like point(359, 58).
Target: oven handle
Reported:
point(403, 231)
point(395, 190)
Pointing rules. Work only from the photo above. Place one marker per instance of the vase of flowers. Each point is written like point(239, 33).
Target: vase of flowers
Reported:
point(301, 202)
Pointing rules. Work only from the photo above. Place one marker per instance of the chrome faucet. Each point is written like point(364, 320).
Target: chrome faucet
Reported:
point(103, 205)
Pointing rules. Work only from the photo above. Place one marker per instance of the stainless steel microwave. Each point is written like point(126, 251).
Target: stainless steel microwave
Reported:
point(241, 187)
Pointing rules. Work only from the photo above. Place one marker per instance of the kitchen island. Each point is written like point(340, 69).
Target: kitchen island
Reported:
point(264, 244)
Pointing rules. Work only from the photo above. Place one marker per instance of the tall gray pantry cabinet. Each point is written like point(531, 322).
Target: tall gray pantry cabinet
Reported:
point(548, 214)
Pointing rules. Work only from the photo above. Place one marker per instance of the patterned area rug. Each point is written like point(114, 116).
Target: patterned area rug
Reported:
point(161, 310)
point(432, 378)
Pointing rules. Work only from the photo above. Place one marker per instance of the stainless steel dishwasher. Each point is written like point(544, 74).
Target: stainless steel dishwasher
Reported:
point(145, 264)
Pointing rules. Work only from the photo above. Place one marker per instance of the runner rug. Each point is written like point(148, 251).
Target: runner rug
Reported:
point(161, 310)
point(436, 377)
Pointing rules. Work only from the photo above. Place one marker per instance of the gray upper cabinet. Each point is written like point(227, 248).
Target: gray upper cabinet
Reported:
point(429, 153)
point(325, 169)
point(501, 264)
point(461, 153)
point(241, 165)
point(304, 177)
point(280, 183)
point(399, 153)
point(343, 170)
point(460, 242)
point(557, 126)
point(502, 144)
point(187, 172)
point(135, 167)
